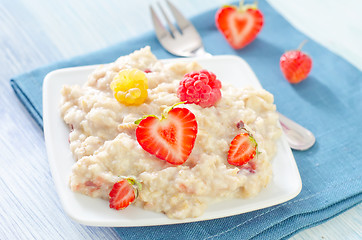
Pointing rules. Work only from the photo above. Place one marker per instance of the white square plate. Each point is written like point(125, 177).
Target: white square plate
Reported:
point(285, 184)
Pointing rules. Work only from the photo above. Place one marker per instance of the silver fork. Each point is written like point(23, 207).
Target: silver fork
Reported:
point(186, 42)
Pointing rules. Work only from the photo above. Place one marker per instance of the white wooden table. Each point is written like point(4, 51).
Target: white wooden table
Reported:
point(39, 32)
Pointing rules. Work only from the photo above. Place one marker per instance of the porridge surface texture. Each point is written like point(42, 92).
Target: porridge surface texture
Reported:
point(104, 145)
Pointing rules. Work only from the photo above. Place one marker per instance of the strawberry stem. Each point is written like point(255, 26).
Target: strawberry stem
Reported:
point(165, 112)
point(302, 44)
point(163, 115)
point(137, 186)
point(244, 7)
point(146, 116)
point(241, 4)
point(251, 137)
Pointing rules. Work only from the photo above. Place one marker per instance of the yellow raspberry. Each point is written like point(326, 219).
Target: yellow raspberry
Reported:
point(130, 87)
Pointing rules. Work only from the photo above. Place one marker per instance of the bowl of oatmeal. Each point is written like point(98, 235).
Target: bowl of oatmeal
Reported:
point(91, 144)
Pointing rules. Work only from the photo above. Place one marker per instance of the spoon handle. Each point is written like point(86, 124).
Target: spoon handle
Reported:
point(298, 137)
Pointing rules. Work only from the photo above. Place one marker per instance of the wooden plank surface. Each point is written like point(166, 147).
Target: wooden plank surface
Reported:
point(38, 32)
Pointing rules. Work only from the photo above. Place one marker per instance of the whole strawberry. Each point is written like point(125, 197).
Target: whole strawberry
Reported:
point(295, 65)
point(239, 25)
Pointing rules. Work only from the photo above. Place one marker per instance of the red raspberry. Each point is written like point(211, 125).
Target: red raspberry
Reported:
point(201, 88)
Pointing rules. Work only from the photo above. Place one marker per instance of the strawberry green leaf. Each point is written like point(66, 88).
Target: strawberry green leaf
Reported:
point(146, 116)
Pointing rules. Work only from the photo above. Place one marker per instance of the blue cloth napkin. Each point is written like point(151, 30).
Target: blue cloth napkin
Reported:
point(328, 102)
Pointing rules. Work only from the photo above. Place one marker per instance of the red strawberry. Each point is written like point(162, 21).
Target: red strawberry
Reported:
point(240, 26)
point(295, 65)
point(170, 138)
point(123, 193)
point(243, 148)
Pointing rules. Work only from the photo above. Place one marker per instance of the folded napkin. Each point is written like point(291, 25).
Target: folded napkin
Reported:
point(328, 102)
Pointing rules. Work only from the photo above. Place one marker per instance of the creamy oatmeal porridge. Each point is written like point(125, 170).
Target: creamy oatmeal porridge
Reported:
point(104, 145)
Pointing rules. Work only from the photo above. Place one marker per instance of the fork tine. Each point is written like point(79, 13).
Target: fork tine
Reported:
point(160, 30)
point(182, 22)
point(182, 41)
point(173, 29)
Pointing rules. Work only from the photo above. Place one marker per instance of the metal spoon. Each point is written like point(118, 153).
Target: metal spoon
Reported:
point(298, 137)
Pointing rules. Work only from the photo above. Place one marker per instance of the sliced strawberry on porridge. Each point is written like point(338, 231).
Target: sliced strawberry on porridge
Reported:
point(170, 138)
point(243, 148)
point(124, 193)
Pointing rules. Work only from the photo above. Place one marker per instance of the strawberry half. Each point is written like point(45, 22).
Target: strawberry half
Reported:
point(170, 138)
point(240, 26)
point(243, 148)
point(123, 193)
